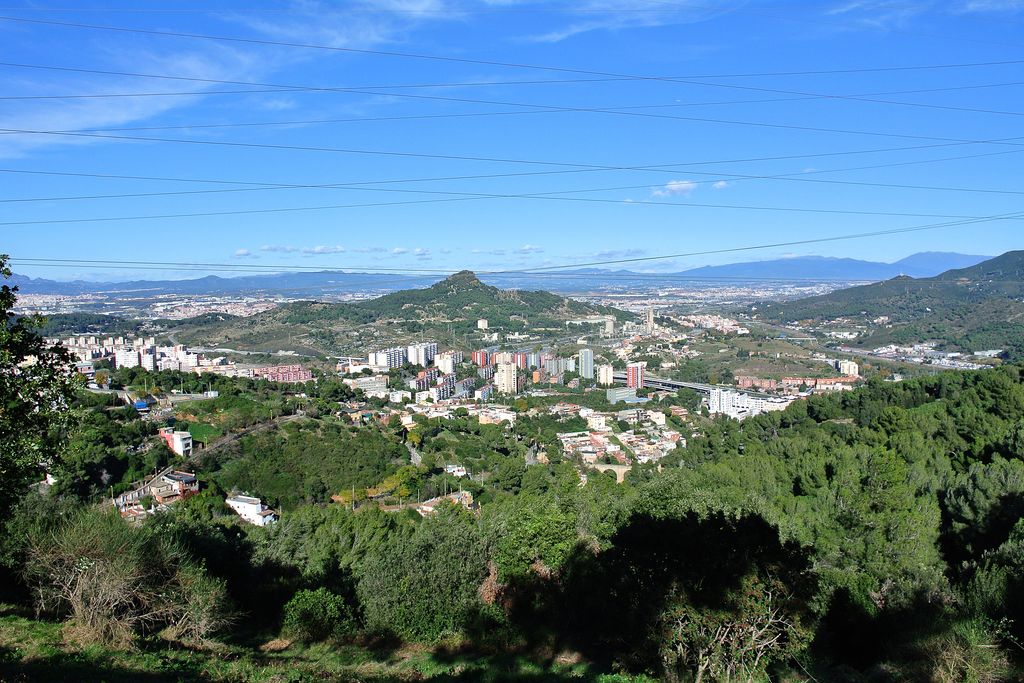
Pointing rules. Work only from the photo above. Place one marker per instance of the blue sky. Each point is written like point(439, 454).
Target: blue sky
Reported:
point(717, 106)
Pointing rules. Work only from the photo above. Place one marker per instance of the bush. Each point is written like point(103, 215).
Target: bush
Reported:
point(315, 615)
point(119, 582)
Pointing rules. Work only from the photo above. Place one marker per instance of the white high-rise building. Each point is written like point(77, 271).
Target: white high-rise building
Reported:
point(506, 379)
point(445, 362)
point(394, 357)
point(586, 364)
point(605, 375)
point(502, 357)
point(126, 358)
point(848, 368)
point(422, 353)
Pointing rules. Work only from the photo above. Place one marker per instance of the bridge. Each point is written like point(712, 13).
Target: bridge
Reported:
point(619, 470)
point(675, 385)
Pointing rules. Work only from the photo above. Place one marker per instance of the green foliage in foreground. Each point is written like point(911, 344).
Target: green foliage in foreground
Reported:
point(119, 582)
point(873, 535)
point(423, 587)
point(36, 391)
point(316, 615)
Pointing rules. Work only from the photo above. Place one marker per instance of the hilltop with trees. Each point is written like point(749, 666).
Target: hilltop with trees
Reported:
point(974, 308)
point(451, 306)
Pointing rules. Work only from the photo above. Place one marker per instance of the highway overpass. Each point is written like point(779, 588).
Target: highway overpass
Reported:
point(651, 382)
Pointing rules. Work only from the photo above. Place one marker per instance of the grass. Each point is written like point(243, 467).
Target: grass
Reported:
point(32, 650)
point(204, 433)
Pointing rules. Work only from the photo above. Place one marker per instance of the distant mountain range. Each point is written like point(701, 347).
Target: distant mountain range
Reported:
point(319, 283)
point(924, 264)
point(291, 283)
point(976, 308)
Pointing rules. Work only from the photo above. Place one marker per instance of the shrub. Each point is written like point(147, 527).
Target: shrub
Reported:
point(315, 615)
point(118, 582)
point(969, 652)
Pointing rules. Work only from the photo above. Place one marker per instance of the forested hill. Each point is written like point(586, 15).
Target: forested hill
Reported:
point(463, 295)
point(451, 306)
point(971, 308)
point(460, 298)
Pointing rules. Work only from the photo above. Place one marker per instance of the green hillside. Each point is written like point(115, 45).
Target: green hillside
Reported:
point(972, 308)
point(450, 307)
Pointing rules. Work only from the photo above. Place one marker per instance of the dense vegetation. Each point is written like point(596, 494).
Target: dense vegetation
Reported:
point(306, 461)
point(873, 535)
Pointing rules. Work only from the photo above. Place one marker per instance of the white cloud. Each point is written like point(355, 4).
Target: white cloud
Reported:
point(675, 188)
point(244, 253)
point(307, 21)
point(399, 250)
point(993, 6)
point(279, 248)
point(720, 185)
point(611, 15)
point(529, 249)
point(885, 14)
point(323, 249)
point(619, 253)
point(422, 254)
point(276, 103)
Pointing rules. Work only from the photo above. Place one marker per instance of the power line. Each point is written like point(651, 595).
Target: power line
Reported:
point(310, 46)
point(371, 270)
point(548, 196)
point(648, 259)
point(887, 29)
point(464, 84)
point(540, 108)
point(472, 61)
point(369, 90)
point(519, 9)
point(449, 157)
point(716, 177)
point(581, 168)
point(793, 243)
point(470, 196)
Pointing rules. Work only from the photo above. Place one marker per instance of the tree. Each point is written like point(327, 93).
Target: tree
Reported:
point(423, 587)
point(532, 536)
point(37, 387)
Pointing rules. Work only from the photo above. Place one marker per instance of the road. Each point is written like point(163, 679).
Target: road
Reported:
point(652, 382)
point(281, 354)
